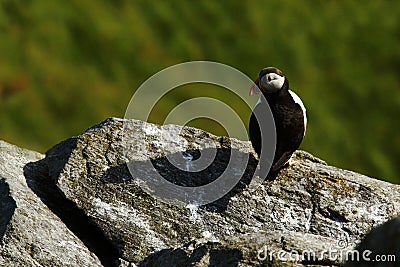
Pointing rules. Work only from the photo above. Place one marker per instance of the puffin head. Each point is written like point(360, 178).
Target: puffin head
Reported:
point(270, 80)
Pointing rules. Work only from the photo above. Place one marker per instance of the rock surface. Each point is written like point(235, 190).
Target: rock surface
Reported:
point(309, 208)
point(30, 233)
point(380, 248)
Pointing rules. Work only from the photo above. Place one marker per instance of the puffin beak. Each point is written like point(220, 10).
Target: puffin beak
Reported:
point(254, 88)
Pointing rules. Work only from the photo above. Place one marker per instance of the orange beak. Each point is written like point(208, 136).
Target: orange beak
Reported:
point(254, 88)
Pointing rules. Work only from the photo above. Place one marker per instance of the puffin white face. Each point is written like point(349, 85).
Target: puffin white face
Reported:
point(271, 82)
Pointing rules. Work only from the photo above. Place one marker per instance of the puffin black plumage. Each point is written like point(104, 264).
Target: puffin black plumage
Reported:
point(288, 111)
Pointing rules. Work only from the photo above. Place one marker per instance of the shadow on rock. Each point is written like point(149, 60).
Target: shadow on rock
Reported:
point(7, 206)
point(37, 178)
point(179, 257)
point(180, 171)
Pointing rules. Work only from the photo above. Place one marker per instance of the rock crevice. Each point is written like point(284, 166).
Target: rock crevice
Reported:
point(75, 219)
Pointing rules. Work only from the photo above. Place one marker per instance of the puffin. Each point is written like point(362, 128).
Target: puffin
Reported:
point(288, 111)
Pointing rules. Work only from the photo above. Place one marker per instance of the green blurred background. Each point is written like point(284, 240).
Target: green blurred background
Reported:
point(66, 65)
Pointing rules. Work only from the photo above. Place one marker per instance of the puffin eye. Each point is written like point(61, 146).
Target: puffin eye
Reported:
point(269, 78)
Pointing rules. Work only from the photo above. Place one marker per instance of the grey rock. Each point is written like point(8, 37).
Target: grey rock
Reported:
point(30, 233)
point(381, 247)
point(80, 206)
point(308, 208)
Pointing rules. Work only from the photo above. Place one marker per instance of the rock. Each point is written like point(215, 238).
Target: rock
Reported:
point(97, 200)
point(310, 208)
point(380, 247)
point(30, 233)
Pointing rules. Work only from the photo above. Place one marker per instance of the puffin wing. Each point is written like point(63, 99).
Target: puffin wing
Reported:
point(297, 122)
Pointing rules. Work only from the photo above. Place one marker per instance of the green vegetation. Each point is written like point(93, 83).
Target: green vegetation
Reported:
point(66, 65)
